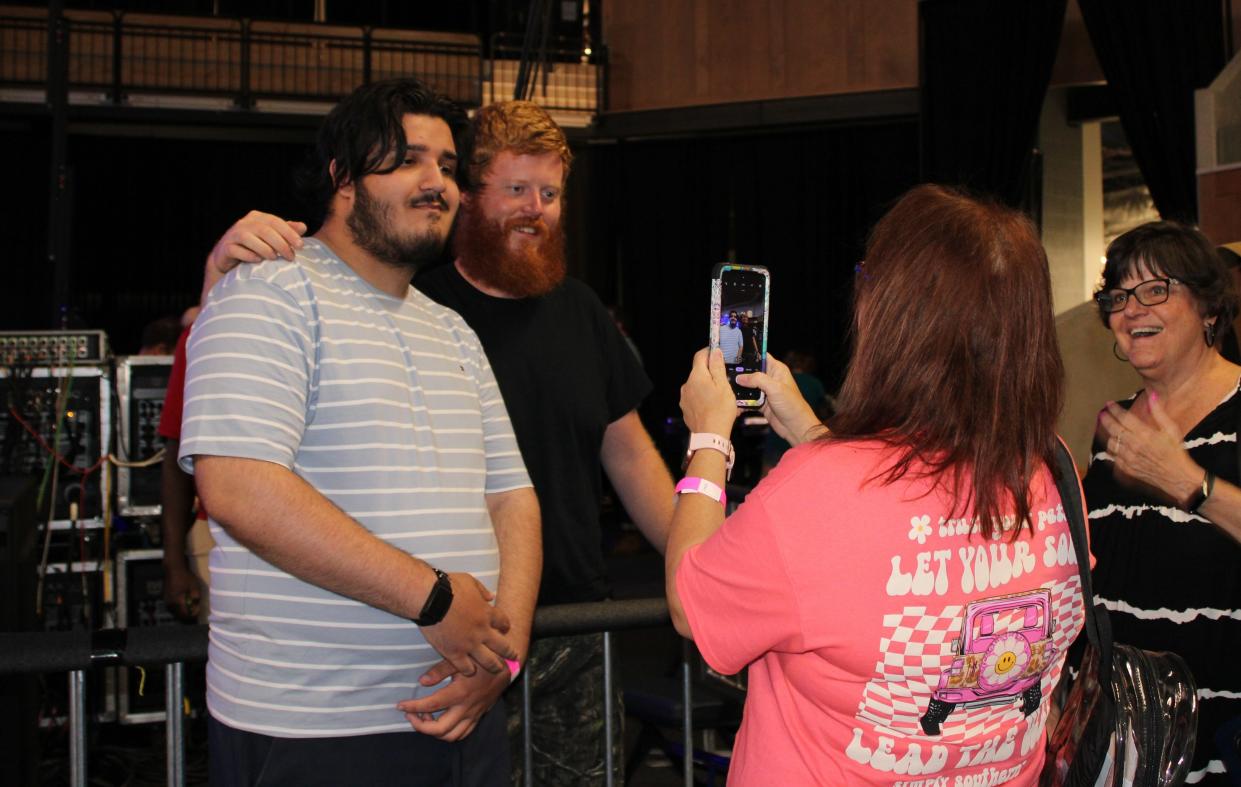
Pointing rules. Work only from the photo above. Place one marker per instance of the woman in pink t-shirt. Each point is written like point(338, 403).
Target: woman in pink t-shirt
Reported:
point(902, 589)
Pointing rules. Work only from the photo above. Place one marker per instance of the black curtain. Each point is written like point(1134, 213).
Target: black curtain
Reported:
point(985, 66)
point(646, 222)
point(1155, 53)
point(662, 213)
point(145, 212)
point(26, 295)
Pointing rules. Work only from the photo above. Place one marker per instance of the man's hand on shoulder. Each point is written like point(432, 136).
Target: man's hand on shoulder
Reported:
point(471, 635)
point(255, 237)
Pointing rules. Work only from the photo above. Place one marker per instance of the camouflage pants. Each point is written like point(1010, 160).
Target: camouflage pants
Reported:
point(566, 707)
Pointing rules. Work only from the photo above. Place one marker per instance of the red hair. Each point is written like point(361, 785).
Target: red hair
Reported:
point(955, 361)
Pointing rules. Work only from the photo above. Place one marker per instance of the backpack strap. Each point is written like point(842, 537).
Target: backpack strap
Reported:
point(1098, 626)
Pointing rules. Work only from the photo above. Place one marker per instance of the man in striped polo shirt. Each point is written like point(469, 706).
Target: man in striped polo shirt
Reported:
point(348, 437)
point(572, 387)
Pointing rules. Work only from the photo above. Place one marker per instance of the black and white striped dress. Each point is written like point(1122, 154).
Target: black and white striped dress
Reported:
point(1172, 581)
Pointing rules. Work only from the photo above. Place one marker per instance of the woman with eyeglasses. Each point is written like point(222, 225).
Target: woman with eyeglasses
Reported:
point(1162, 488)
point(900, 589)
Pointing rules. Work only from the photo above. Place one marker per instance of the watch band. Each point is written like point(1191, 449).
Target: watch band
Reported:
point(701, 440)
point(438, 600)
point(1202, 493)
point(701, 486)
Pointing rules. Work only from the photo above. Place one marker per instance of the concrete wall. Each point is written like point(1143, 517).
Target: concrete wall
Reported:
point(1093, 377)
point(1072, 202)
point(1073, 237)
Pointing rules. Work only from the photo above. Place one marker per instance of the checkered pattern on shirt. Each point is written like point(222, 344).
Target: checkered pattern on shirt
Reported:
point(917, 646)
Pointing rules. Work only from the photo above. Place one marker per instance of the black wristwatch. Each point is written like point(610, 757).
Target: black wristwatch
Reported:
point(438, 600)
point(1200, 495)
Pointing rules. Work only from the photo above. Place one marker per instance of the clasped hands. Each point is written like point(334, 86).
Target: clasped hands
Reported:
point(470, 636)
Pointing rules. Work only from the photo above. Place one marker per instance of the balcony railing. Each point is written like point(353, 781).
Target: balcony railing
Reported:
point(568, 79)
point(256, 64)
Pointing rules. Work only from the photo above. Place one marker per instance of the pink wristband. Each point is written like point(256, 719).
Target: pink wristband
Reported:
point(701, 486)
point(514, 667)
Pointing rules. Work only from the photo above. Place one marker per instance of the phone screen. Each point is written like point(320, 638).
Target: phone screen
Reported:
point(739, 324)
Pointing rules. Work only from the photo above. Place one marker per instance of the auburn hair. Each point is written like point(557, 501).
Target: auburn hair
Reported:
point(521, 127)
point(955, 360)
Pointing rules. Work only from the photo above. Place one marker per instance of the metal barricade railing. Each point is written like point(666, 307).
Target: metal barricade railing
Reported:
point(173, 646)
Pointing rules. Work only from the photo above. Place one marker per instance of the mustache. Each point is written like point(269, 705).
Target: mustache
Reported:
point(430, 199)
point(538, 225)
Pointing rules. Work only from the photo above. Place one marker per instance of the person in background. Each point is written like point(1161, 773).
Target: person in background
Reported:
point(185, 537)
point(1162, 487)
point(850, 580)
point(189, 315)
point(159, 337)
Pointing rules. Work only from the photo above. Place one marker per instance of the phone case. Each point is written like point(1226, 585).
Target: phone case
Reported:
point(717, 273)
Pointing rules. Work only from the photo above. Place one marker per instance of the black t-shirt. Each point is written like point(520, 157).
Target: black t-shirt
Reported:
point(566, 373)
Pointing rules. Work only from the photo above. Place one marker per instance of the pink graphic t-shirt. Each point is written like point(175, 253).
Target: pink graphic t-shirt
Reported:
point(885, 642)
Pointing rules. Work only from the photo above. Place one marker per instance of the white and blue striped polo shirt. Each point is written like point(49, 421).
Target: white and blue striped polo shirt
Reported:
point(386, 406)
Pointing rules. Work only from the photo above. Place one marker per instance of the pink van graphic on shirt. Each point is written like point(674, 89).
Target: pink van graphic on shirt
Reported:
point(1003, 650)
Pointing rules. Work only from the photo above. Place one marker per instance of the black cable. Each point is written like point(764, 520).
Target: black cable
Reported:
point(538, 12)
point(542, 61)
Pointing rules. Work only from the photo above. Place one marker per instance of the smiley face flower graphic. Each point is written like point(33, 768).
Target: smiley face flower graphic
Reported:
point(1005, 660)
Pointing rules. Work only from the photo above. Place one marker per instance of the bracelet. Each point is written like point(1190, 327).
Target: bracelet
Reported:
point(1202, 493)
point(514, 667)
point(701, 486)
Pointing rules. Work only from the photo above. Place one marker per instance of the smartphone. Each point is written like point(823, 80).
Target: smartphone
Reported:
point(739, 310)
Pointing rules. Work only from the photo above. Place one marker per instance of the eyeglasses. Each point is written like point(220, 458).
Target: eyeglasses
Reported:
point(1151, 292)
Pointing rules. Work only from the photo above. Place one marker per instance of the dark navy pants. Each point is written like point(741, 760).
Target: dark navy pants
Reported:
point(404, 759)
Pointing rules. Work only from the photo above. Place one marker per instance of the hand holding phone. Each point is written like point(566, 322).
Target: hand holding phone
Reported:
point(739, 318)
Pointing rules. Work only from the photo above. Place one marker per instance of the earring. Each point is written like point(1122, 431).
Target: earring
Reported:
point(1210, 334)
point(1116, 352)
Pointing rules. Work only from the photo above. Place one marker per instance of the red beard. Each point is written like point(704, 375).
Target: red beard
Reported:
point(481, 248)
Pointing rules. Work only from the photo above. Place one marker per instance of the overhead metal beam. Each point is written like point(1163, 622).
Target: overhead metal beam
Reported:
point(747, 116)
